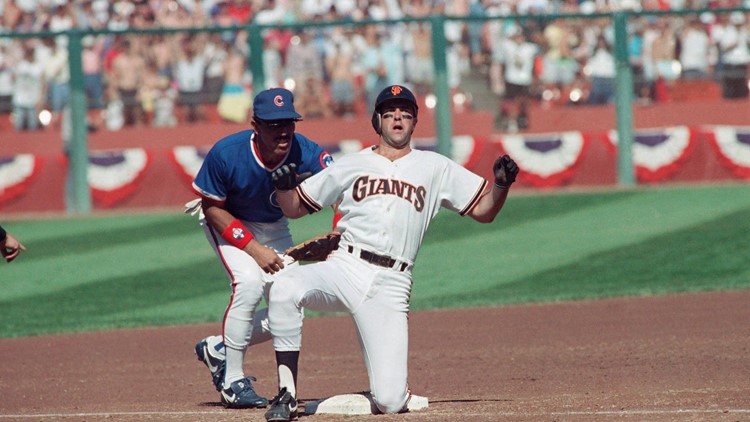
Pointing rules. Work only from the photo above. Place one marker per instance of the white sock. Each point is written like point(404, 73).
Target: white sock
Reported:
point(216, 346)
point(287, 380)
point(235, 359)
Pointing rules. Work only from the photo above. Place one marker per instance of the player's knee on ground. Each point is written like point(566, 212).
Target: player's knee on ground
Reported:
point(390, 401)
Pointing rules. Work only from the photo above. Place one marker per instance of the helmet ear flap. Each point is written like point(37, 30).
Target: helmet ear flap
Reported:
point(376, 123)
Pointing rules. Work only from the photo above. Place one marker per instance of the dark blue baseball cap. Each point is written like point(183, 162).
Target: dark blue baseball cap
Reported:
point(396, 92)
point(275, 104)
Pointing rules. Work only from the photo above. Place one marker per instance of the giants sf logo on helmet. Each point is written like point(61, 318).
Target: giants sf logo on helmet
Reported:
point(392, 93)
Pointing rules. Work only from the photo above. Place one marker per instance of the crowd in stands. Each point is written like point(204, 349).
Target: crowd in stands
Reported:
point(163, 79)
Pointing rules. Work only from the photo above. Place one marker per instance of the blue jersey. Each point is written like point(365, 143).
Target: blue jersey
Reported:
point(234, 175)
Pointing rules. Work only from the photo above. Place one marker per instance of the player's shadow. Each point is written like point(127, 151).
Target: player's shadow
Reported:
point(211, 404)
point(470, 400)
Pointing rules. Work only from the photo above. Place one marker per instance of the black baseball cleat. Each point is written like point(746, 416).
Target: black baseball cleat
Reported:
point(215, 364)
point(283, 407)
point(241, 395)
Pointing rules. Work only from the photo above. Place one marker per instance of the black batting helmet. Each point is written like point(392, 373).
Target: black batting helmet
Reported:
point(392, 93)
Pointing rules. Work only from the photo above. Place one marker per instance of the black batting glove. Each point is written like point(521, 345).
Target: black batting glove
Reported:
point(505, 170)
point(286, 178)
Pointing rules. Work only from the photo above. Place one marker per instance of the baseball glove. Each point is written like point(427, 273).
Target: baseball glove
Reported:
point(316, 249)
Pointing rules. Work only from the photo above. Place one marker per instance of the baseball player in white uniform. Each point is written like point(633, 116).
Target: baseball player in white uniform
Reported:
point(389, 194)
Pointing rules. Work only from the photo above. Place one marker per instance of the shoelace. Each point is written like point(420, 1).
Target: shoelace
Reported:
point(248, 385)
point(277, 399)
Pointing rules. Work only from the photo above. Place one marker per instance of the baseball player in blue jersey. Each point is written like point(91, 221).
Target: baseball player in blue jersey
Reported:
point(248, 232)
point(388, 195)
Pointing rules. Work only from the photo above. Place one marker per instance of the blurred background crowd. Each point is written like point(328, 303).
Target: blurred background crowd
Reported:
point(166, 78)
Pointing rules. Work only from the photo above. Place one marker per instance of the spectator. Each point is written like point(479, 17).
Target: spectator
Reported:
point(381, 61)
point(305, 67)
point(601, 71)
point(142, 16)
point(694, 50)
point(312, 8)
point(419, 59)
point(126, 78)
point(190, 71)
point(303, 59)
point(273, 62)
point(216, 52)
point(270, 13)
point(314, 102)
point(57, 74)
point(496, 35)
point(28, 22)
point(457, 52)
point(559, 67)
point(220, 16)
point(7, 63)
point(339, 63)
point(11, 16)
point(29, 90)
point(664, 53)
point(62, 20)
point(120, 16)
point(234, 102)
point(519, 56)
point(93, 74)
point(344, 9)
point(86, 17)
point(735, 56)
point(641, 87)
point(160, 51)
point(240, 10)
point(158, 97)
point(418, 8)
point(475, 31)
point(651, 32)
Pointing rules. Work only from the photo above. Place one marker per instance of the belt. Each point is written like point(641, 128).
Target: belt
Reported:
point(380, 260)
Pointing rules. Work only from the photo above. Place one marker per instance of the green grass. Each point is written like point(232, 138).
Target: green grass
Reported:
point(83, 274)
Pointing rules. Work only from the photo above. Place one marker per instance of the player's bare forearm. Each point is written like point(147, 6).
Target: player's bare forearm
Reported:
point(220, 219)
point(492, 200)
point(216, 215)
point(291, 204)
point(489, 204)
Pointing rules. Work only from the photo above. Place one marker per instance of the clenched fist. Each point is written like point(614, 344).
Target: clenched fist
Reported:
point(286, 178)
point(505, 170)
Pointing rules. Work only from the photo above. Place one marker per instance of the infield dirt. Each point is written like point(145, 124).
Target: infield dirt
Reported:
point(666, 358)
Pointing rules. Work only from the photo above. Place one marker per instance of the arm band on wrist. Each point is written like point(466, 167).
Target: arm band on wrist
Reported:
point(237, 234)
point(336, 219)
point(499, 186)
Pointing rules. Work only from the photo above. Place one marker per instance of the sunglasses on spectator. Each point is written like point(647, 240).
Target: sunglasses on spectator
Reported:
point(277, 124)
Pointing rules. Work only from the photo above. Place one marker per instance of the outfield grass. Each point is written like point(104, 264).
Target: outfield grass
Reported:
point(157, 269)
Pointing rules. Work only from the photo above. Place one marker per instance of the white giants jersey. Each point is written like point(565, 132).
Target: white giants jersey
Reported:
point(386, 206)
